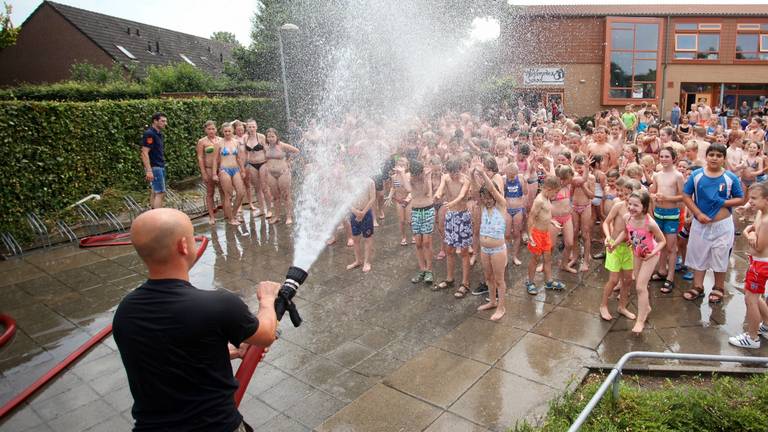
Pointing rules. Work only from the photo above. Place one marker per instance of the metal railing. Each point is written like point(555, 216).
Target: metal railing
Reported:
point(614, 377)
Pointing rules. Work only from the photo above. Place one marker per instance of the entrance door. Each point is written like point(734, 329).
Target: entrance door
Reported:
point(556, 97)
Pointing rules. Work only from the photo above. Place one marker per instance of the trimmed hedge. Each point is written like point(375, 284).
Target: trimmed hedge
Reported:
point(76, 92)
point(55, 153)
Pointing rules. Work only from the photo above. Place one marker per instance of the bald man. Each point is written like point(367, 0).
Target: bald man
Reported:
point(173, 338)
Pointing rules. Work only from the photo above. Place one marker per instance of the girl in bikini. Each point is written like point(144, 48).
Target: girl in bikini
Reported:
point(583, 191)
point(228, 170)
point(515, 191)
point(206, 149)
point(255, 157)
point(279, 178)
point(400, 196)
point(628, 156)
point(646, 240)
point(561, 213)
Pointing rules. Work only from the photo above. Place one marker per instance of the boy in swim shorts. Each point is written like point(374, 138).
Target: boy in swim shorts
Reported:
point(539, 240)
point(361, 221)
point(757, 275)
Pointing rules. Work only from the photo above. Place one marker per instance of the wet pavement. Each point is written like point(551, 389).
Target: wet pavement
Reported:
point(375, 352)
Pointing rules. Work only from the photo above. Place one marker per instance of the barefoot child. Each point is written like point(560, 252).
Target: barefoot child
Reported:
point(539, 240)
point(419, 185)
point(515, 190)
point(618, 258)
point(361, 221)
point(667, 192)
point(581, 203)
point(561, 213)
point(493, 247)
point(757, 275)
point(458, 225)
point(647, 241)
point(400, 196)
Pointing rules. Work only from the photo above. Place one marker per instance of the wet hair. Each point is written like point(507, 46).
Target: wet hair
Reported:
point(566, 154)
point(580, 159)
point(453, 166)
point(251, 120)
point(647, 160)
point(524, 149)
point(644, 197)
point(633, 184)
point(761, 187)
point(236, 123)
point(209, 123)
point(484, 190)
point(564, 172)
point(489, 162)
point(635, 150)
point(671, 151)
point(596, 160)
point(634, 170)
point(484, 144)
point(621, 181)
point(158, 115)
point(435, 160)
point(416, 167)
point(614, 173)
point(274, 131)
point(699, 131)
point(226, 125)
point(716, 148)
point(551, 183)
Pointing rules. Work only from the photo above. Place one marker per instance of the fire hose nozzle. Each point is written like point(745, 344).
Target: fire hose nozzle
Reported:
point(284, 302)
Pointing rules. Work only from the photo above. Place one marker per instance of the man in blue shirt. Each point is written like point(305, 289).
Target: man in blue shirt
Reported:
point(675, 116)
point(153, 158)
point(710, 193)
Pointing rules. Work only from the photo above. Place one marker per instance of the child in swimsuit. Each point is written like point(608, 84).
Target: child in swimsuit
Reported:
point(583, 191)
point(539, 239)
point(493, 247)
point(618, 259)
point(515, 190)
point(399, 195)
point(561, 213)
point(646, 240)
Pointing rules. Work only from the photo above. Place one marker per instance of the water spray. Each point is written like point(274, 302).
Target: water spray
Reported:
point(284, 301)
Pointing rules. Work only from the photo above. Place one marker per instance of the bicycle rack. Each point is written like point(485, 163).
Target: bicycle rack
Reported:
point(89, 217)
point(11, 245)
point(614, 377)
point(39, 228)
point(134, 208)
point(113, 221)
point(66, 231)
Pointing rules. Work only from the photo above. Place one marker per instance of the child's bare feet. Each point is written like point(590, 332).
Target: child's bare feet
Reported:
point(212, 221)
point(404, 242)
point(568, 268)
point(498, 314)
point(440, 255)
point(350, 242)
point(269, 215)
point(604, 314)
point(289, 221)
point(375, 223)
point(234, 222)
point(637, 330)
point(472, 259)
point(540, 268)
point(626, 313)
point(584, 267)
point(366, 267)
point(516, 261)
point(331, 241)
point(353, 265)
point(486, 306)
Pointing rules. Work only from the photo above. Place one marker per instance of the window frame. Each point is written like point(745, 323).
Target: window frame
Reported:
point(609, 21)
point(758, 28)
point(703, 26)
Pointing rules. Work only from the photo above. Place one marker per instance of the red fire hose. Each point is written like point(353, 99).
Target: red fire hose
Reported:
point(10, 328)
point(120, 239)
point(244, 373)
point(35, 386)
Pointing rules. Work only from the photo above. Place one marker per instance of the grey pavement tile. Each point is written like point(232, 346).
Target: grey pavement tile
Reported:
point(256, 412)
point(113, 424)
point(377, 338)
point(349, 354)
point(378, 365)
point(65, 402)
point(313, 410)
point(349, 385)
point(320, 372)
point(84, 417)
point(382, 409)
point(573, 326)
point(286, 393)
point(480, 340)
point(108, 383)
point(617, 343)
point(449, 422)
point(522, 312)
point(437, 376)
point(282, 423)
point(264, 377)
point(108, 364)
point(22, 419)
point(120, 399)
point(62, 383)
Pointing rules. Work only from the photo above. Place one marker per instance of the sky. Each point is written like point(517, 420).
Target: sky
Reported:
point(203, 17)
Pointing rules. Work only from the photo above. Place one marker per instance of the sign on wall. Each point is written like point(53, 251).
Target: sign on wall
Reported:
point(544, 76)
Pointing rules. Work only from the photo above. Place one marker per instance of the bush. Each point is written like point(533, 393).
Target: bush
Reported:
point(57, 153)
point(100, 74)
point(180, 77)
point(76, 92)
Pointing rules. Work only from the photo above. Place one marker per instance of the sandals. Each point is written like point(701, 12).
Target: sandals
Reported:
point(530, 287)
point(429, 277)
point(462, 291)
point(443, 285)
point(555, 285)
point(693, 293)
point(656, 276)
point(667, 287)
point(716, 296)
point(418, 278)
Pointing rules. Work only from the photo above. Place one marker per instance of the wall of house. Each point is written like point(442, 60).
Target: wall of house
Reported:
point(46, 48)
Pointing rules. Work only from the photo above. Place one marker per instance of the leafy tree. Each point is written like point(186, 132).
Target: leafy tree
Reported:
point(180, 77)
point(226, 37)
point(100, 74)
point(8, 33)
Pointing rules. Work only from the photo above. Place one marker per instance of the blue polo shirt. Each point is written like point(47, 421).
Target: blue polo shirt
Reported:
point(153, 139)
point(710, 193)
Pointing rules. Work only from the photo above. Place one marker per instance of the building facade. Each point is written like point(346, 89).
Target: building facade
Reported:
point(597, 57)
point(56, 36)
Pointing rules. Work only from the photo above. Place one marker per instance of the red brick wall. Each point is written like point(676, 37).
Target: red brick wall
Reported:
point(46, 48)
point(538, 40)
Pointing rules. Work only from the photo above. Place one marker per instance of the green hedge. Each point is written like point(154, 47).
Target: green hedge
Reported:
point(55, 153)
point(76, 92)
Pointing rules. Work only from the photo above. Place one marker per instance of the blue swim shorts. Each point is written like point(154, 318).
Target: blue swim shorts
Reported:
point(458, 229)
point(423, 220)
point(668, 219)
point(364, 227)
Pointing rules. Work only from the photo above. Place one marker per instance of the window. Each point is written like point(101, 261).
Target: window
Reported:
point(186, 59)
point(752, 42)
point(126, 52)
point(697, 41)
point(632, 64)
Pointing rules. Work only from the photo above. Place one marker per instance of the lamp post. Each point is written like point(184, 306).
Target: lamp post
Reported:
point(289, 28)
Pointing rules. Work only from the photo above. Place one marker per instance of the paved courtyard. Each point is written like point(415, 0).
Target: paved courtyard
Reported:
point(376, 353)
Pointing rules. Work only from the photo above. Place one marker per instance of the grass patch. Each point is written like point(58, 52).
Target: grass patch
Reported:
point(719, 404)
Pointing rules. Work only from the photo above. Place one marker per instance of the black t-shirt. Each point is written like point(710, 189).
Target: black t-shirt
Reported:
point(173, 341)
point(153, 139)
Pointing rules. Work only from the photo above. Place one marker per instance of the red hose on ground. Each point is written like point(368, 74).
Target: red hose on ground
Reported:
point(106, 240)
point(244, 372)
point(10, 328)
point(40, 382)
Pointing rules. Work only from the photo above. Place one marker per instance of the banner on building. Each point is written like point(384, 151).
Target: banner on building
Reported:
point(544, 76)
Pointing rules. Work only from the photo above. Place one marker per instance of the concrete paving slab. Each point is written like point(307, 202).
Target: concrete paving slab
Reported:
point(573, 326)
point(449, 422)
point(481, 340)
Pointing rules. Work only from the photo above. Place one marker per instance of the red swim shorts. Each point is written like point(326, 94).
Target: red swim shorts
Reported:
point(542, 242)
point(757, 275)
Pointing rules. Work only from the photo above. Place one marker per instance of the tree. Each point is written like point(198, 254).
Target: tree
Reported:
point(226, 37)
point(8, 33)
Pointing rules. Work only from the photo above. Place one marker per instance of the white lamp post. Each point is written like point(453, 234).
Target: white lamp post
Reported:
point(288, 28)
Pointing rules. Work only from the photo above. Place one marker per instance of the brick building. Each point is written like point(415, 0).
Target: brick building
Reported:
point(596, 57)
point(56, 36)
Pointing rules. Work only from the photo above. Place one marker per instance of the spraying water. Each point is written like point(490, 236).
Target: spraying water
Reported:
point(386, 68)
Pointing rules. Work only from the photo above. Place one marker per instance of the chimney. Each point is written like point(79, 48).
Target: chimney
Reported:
point(137, 32)
point(149, 46)
point(157, 47)
point(129, 30)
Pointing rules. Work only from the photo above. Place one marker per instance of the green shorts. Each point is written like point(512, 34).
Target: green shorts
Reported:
point(620, 259)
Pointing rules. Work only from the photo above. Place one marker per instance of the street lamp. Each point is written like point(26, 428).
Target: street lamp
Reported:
point(288, 27)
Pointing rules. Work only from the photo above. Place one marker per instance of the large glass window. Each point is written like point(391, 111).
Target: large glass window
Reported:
point(752, 42)
point(632, 63)
point(694, 41)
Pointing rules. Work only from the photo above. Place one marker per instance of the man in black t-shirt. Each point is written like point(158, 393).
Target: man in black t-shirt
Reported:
point(153, 158)
point(173, 338)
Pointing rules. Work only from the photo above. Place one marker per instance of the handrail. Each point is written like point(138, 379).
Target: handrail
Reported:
point(615, 376)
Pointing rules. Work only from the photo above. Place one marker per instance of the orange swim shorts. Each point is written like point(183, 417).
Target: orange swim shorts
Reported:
point(540, 242)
